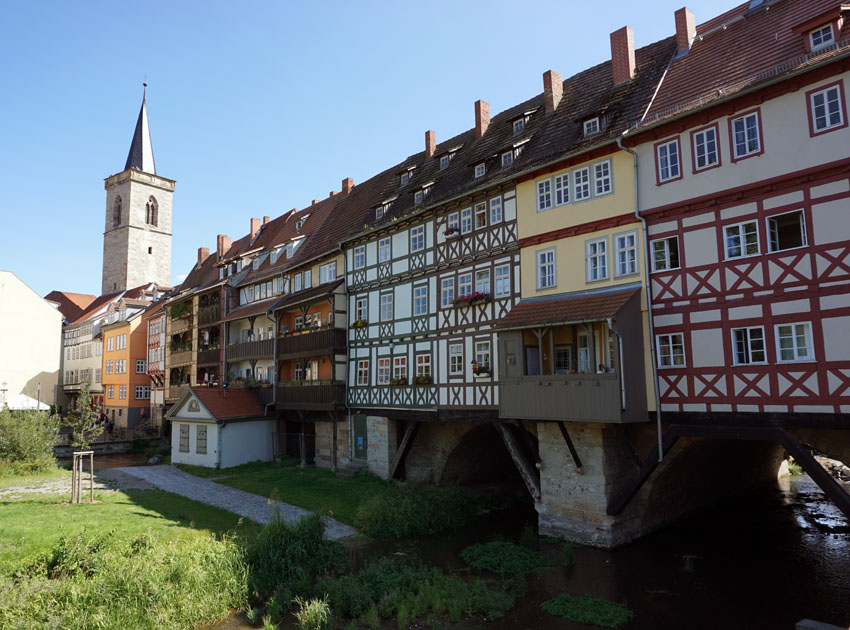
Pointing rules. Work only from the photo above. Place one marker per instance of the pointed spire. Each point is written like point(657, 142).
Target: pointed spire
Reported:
point(141, 149)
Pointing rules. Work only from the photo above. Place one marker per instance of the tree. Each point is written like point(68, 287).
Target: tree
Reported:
point(83, 422)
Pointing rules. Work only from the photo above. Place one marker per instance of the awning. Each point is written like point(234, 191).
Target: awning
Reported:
point(567, 309)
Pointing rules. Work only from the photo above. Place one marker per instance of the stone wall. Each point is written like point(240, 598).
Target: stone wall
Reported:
point(382, 440)
point(325, 441)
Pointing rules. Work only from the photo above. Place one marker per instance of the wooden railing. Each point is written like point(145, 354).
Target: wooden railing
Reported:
point(321, 396)
point(180, 325)
point(321, 341)
point(179, 358)
point(577, 397)
point(209, 314)
point(261, 349)
point(175, 391)
point(209, 356)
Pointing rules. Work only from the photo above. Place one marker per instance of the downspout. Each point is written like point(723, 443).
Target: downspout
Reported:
point(648, 291)
point(347, 357)
point(619, 362)
point(273, 320)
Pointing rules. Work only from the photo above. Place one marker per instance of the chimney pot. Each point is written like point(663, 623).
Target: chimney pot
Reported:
point(315, 201)
point(347, 185)
point(255, 227)
point(553, 90)
point(266, 220)
point(622, 54)
point(430, 143)
point(686, 29)
point(203, 254)
point(482, 118)
point(223, 243)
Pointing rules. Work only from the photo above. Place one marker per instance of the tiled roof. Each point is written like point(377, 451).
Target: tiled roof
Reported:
point(297, 299)
point(249, 310)
point(230, 404)
point(71, 305)
point(567, 309)
point(732, 50)
point(97, 304)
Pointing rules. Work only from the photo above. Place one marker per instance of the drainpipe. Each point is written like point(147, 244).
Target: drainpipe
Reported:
point(619, 362)
point(648, 291)
point(347, 357)
point(273, 403)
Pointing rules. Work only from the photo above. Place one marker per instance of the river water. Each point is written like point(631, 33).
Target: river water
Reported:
point(761, 561)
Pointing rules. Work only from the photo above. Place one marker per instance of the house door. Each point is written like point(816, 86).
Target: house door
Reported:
point(532, 360)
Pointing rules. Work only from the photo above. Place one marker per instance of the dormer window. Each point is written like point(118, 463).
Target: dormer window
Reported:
point(519, 125)
point(300, 222)
point(444, 161)
point(405, 177)
point(507, 158)
point(821, 37)
point(591, 126)
point(417, 197)
point(480, 169)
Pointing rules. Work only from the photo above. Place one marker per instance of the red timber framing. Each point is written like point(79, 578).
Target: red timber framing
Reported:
point(810, 284)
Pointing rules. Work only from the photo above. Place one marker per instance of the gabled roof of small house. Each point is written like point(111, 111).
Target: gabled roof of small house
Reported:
point(222, 404)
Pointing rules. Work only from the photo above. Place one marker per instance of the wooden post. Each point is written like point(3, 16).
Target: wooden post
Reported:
point(73, 476)
point(91, 477)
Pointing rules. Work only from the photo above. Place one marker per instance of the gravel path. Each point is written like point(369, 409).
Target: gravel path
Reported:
point(104, 480)
point(257, 508)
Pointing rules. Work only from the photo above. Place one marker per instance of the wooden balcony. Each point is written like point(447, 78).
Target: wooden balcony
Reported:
point(173, 392)
point(209, 356)
point(184, 357)
point(209, 315)
point(318, 342)
point(182, 324)
point(318, 397)
point(576, 397)
point(261, 349)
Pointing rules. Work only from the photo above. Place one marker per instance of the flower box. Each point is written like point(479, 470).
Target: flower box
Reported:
point(422, 380)
point(398, 382)
point(451, 232)
point(360, 323)
point(482, 370)
point(470, 299)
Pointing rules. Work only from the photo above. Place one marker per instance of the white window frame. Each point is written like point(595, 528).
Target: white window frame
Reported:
point(444, 161)
point(327, 272)
point(828, 112)
point(361, 308)
point(385, 249)
point(496, 214)
point(141, 366)
point(669, 161)
point(581, 184)
point(546, 268)
point(670, 341)
point(824, 41)
point(507, 158)
point(420, 299)
point(518, 125)
point(363, 372)
point(701, 143)
point(405, 177)
point(544, 194)
point(453, 221)
point(466, 220)
point(480, 215)
point(666, 249)
point(750, 345)
point(296, 281)
point(796, 349)
point(591, 126)
point(748, 150)
point(308, 276)
point(562, 189)
point(142, 392)
point(360, 257)
point(418, 196)
point(602, 178)
point(772, 233)
point(482, 281)
point(632, 266)
point(464, 280)
point(483, 355)
point(384, 371)
point(447, 292)
point(741, 236)
point(480, 169)
point(502, 281)
point(592, 257)
point(423, 364)
point(400, 367)
point(386, 307)
point(456, 359)
point(417, 238)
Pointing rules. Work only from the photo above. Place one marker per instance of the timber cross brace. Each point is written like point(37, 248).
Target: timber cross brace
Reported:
point(831, 488)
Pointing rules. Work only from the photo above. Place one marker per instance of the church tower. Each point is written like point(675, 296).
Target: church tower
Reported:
point(137, 234)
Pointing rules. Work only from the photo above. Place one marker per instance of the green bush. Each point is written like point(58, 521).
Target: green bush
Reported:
point(314, 614)
point(414, 510)
point(504, 558)
point(588, 609)
point(26, 442)
point(291, 556)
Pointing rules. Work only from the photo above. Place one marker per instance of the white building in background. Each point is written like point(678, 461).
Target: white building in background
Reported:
point(30, 342)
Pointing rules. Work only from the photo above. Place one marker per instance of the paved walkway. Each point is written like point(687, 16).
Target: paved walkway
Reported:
point(253, 506)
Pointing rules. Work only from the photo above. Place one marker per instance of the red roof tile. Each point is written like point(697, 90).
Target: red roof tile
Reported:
point(249, 310)
point(70, 304)
point(229, 405)
point(562, 309)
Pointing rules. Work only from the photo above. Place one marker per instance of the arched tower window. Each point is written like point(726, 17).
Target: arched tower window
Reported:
point(151, 211)
point(116, 212)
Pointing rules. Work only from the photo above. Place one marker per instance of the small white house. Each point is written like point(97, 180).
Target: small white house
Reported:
point(220, 428)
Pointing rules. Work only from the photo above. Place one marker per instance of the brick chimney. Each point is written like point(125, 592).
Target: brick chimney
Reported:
point(315, 201)
point(686, 29)
point(623, 54)
point(482, 118)
point(223, 243)
point(255, 227)
point(203, 254)
point(430, 143)
point(347, 185)
point(553, 90)
point(266, 220)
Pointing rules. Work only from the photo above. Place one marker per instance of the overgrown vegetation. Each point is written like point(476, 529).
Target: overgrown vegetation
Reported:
point(84, 424)
point(794, 468)
point(26, 442)
point(588, 609)
point(314, 614)
point(504, 558)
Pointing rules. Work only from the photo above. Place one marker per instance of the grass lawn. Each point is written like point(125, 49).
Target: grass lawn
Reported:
point(33, 524)
point(29, 480)
point(313, 489)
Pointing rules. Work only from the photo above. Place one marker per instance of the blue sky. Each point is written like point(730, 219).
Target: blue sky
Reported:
point(256, 107)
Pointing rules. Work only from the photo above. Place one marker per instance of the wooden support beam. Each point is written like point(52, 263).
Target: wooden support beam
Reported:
point(404, 448)
point(529, 443)
point(528, 472)
point(570, 446)
point(620, 500)
point(825, 481)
